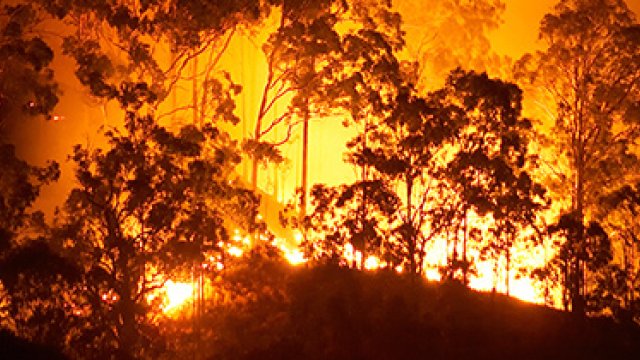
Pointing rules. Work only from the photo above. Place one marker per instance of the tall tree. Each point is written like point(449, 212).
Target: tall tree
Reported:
point(298, 54)
point(364, 82)
point(27, 86)
point(621, 288)
point(590, 73)
point(154, 200)
point(28, 266)
point(316, 50)
point(487, 172)
point(433, 25)
point(152, 203)
point(406, 152)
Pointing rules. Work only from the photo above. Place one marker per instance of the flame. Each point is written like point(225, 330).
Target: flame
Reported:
point(294, 257)
point(372, 263)
point(235, 251)
point(177, 294)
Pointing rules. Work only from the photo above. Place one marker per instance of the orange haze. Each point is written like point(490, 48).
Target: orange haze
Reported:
point(80, 119)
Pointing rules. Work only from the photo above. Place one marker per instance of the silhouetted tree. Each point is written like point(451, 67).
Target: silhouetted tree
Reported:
point(621, 289)
point(20, 185)
point(359, 215)
point(152, 203)
point(595, 252)
point(589, 74)
point(406, 152)
point(27, 86)
point(364, 81)
point(315, 56)
point(488, 170)
point(299, 53)
point(31, 274)
point(432, 26)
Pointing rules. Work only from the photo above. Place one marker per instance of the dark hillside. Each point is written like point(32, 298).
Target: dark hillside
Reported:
point(14, 348)
point(334, 313)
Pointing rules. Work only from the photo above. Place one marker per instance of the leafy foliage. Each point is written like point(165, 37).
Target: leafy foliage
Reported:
point(27, 86)
point(488, 171)
point(153, 203)
point(619, 286)
point(29, 268)
point(432, 26)
point(590, 69)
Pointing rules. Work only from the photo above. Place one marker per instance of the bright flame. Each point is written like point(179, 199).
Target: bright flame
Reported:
point(523, 289)
point(177, 294)
point(294, 257)
point(235, 251)
point(372, 263)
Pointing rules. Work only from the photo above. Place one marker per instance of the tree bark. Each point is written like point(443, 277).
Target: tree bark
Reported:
point(412, 237)
point(465, 272)
point(305, 159)
point(577, 298)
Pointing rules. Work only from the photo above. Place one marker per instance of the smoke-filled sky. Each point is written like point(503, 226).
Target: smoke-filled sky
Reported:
point(519, 32)
point(39, 140)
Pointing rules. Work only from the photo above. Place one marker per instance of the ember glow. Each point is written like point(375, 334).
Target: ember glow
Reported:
point(176, 295)
point(198, 165)
point(294, 257)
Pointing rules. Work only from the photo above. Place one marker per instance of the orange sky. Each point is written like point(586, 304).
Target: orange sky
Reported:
point(40, 140)
point(519, 32)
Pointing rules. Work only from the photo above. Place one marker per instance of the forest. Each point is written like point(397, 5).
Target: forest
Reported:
point(317, 179)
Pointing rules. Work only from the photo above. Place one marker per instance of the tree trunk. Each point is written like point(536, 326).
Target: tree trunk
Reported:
point(508, 270)
point(305, 159)
point(127, 334)
point(577, 298)
point(194, 92)
point(412, 241)
point(363, 206)
point(465, 272)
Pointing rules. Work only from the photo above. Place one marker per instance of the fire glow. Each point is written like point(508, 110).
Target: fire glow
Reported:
point(177, 294)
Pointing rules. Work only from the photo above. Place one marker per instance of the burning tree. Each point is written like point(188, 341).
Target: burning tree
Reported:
point(588, 75)
point(489, 170)
point(404, 153)
point(363, 83)
point(27, 86)
point(152, 203)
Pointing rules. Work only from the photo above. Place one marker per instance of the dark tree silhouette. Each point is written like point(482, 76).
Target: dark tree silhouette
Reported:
point(362, 85)
point(619, 286)
point(489, 170)
point(299, 54)
point(27, 89)
point(589, 72)
point(152, 203)
point(27, 86)
point(357, 215)
point(405, 153)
